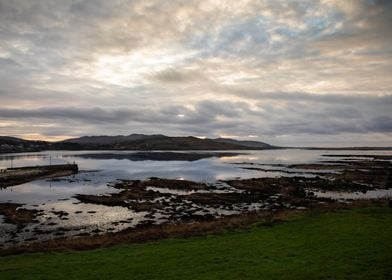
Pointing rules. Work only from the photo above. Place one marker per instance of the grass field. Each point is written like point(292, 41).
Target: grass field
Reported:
point(348, 244)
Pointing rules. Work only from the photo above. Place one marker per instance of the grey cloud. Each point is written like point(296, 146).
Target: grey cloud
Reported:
point(309, 97)
point(93, 115)
point(173, 76)
point(221, 108)
point(274, 119)
point(366, 25)
point(381, 123)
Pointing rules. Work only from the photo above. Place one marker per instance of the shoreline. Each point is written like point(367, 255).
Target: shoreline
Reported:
point(159, 207)
point(150, 233)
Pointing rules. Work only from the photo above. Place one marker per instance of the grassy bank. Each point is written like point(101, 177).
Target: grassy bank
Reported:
point(349, 244)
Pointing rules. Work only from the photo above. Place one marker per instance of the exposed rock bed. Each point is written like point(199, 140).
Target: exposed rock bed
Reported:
point(158, 201)
point(14, 213)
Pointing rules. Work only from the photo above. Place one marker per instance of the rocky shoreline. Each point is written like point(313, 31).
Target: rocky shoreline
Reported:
point(162, 206)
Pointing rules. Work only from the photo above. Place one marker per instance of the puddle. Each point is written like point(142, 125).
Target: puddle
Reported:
point(70, 219)
point(170, 191)
point(372, 194)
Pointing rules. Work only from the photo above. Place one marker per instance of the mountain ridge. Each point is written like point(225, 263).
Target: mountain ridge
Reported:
point(106, 139)
point(129, 142)
point(143, 142)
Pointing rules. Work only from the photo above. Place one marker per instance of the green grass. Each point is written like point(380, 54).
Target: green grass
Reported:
point(349, 244)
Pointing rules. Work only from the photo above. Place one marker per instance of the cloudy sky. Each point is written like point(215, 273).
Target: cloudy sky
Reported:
point(285, 72)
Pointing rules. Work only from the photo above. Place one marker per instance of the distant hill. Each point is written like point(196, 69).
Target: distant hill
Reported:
point(108, 140)
point(14, 145)
point(249, 144)
point(12, 140)
point(144, 142)
point(129, 142)
point(153, 142)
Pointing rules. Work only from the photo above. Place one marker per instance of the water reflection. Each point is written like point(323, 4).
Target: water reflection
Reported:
point(108, 169)
point(98, 173)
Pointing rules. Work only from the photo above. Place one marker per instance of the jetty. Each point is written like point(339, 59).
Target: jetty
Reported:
point(19, 175)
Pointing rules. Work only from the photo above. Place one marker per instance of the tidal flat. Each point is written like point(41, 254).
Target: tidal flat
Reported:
point(121, 197)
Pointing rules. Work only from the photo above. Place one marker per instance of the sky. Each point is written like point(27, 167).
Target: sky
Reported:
point(285, 72)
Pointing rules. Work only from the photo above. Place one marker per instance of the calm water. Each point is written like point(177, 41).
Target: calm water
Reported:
point(96, 176)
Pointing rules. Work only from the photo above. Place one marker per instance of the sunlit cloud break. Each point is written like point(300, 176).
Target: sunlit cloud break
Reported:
point(285, 72)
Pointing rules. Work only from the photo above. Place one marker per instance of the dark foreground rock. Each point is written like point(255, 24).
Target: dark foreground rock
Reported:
point(14, 214)
point(162, 183)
